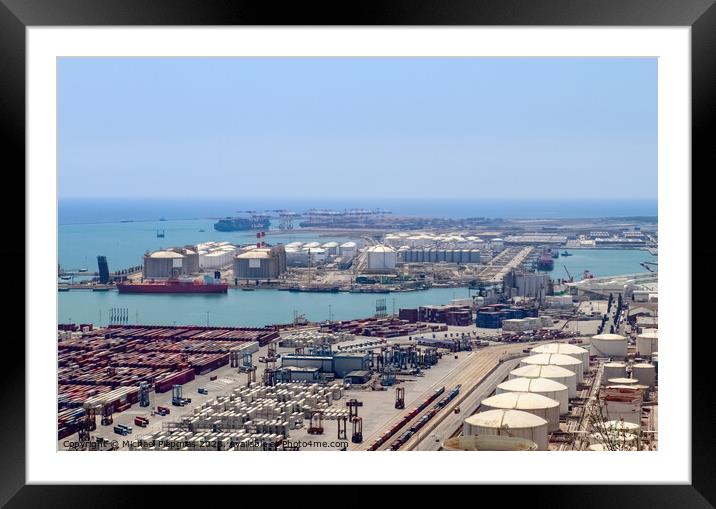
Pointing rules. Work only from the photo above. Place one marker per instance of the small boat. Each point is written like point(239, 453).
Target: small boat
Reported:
point(82, 270)
point(565, 253)
point(202, 230)
point(61, 289)
point(247, 289)
point(65, 278)
point(101, 289)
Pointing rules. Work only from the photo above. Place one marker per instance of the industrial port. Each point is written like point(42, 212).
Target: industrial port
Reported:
point(535, 358)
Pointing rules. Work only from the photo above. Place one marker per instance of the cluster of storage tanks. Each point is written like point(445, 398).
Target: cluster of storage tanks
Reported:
point(454, 240)
point(424, 255)
point(529, 403)
point(215, 255)
point(527, 406)
point(300, 253)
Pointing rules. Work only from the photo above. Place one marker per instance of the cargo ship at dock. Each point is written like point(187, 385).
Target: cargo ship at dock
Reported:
point(174, 286)
point(545, 261)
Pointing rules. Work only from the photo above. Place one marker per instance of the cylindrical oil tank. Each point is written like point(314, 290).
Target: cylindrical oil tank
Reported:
point(622, 381)
point(537, 404)
point(489, 443)
point(511, 423)
point(629, 427)
point(647, 344)
point(556, 359)
point(609, 345)
point(613, 370)
point(556, 373)
point(565, 348)
point(544, 386)
point(645, 373)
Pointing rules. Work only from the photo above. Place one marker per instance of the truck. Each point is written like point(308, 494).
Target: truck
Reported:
point(201, 390)
point(162, 410)
point(128, 429)
point(142, 422)
point(120, 431)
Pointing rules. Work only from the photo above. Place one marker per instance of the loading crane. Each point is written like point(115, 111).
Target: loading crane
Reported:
point(571, 278)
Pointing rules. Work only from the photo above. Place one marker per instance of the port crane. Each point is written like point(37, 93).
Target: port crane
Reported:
point(571, 278)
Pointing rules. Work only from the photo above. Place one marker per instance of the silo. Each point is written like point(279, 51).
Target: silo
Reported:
point(544, 386)
point(645, 373)
point(536, 404)
point(647, 344)
point(556, 373)
point(565, 348)
point(381, 258)
point(556, 359)
point(609, 345)
point(488, 443)
point(512, 423)
point(613, 370)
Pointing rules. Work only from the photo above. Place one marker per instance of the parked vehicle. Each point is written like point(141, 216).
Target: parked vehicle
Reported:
point(142, 422)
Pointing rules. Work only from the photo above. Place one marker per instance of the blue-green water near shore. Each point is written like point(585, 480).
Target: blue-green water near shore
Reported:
point(263, 307)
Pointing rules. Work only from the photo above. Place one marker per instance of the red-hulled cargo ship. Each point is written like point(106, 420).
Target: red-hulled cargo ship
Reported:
point(173, 286)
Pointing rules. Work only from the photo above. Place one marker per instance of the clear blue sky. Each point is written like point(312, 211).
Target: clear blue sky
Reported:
point(344, 127)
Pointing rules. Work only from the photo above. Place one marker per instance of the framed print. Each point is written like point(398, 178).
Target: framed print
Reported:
point(419, 246)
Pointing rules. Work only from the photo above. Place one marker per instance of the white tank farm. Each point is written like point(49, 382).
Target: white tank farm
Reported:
point(488, 443)
point(544, 386)
point(645, 373)
point(511, 423)
point(537, 404)
point(556, 359)
point(613, 370)
point(565, 348)
point(556, 373)
point(647, 344)
point(609, 345)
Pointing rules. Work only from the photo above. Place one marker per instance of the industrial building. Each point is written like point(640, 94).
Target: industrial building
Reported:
point(339, 364)
point(260, 263)
point(531, 285)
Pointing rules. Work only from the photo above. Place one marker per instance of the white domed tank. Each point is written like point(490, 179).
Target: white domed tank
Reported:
point(556, 359)
point(381, 258)
point(609, 345)
point(544, 386)
point(565, 348)
point(541, 406)
point(645, 373)
point(647, 344)
point(618, 439)
point(489, 443)
point(511, 423)
point(613, 370)
point(556, 373)
point(627, 426)
point(622, 381)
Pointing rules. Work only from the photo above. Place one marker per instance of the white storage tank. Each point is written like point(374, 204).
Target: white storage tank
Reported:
point(537, 404)
point(556, 373)
point(381, 258)
point(613, 370)
point(565, 348)
point(609, 345)
point(544, 386)
point(556, 359)
point(647, 344)
point(511, 423)
point(488, 443)
point(645, 373)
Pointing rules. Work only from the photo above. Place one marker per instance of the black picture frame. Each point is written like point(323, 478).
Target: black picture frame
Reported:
point(700, 15)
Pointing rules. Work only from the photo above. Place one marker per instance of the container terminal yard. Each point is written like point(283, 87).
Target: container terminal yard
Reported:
point(570, 372)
